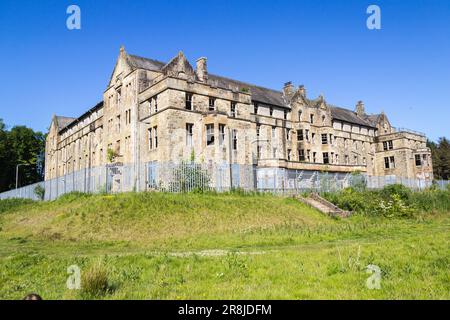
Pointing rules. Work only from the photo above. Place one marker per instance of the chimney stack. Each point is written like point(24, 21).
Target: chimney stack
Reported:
point(288, 90)
point(302, 90)
point(360, 111)
point(201, 71)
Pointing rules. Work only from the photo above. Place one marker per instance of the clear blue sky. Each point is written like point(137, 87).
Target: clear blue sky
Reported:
point(403, 69)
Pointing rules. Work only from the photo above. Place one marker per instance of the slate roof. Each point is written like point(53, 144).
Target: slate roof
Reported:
point(349, 116)
point(63, 121)
point(260, 94)
point(68, 121)
point(373, 119)
point(145, 63)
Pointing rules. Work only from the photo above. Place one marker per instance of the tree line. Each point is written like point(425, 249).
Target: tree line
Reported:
point(440, 154)
point(24, 146)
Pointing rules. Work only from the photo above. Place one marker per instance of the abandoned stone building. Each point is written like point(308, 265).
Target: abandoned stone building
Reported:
point(155, 112)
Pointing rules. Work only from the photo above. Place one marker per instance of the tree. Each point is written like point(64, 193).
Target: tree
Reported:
point(440, 153)
point(20, 145)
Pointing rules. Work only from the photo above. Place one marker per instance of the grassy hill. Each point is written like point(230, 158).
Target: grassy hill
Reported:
point(192, 246)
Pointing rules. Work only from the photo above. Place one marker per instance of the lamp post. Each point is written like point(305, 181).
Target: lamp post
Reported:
point(17, 172)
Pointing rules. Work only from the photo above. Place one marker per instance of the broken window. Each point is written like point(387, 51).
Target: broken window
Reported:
point(233, 109)
point(389, 162)
point(326, 160)
point(300, 135)
point(118, 97)
point(418, 160)
point(188, 101)
point(221, 134)
point(235, 139)
point(212, 104)
point(189, 134)
point(301, 155)
point(388, 145)
point(209, 134)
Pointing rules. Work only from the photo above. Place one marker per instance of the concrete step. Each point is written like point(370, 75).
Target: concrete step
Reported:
point(324, 206)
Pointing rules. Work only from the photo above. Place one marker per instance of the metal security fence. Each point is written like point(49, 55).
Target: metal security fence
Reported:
point(187, 177)
point(28, 192)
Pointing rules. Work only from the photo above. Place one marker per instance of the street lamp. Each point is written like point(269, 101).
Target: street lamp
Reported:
point(17, 172)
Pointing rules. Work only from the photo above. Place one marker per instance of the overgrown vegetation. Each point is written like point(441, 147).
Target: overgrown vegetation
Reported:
point(221, 246)
point(94, 281)
point(39, 191)
point(392, 201)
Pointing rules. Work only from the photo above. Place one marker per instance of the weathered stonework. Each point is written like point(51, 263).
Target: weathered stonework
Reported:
point(152, 111)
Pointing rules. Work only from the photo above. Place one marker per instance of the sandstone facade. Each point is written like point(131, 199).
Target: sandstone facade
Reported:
point(172, 112)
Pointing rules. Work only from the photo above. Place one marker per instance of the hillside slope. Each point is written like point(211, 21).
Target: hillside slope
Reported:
point(191, 246)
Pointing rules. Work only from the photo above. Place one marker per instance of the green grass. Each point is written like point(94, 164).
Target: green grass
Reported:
point(209, 246)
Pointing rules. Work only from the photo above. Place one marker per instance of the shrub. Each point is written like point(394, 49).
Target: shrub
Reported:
point(396, 189)
point(190, 177)
point(94, 281)
point(39, 191)
point(395, 207)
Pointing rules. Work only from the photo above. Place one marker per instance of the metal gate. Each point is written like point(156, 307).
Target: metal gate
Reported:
point(114, 178)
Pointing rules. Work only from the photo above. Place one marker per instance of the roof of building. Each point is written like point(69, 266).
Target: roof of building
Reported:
point(145, 63)
point(349, 116)
point(68, 121)
point(261, 94)
point(258, 93)
point(62, 121)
